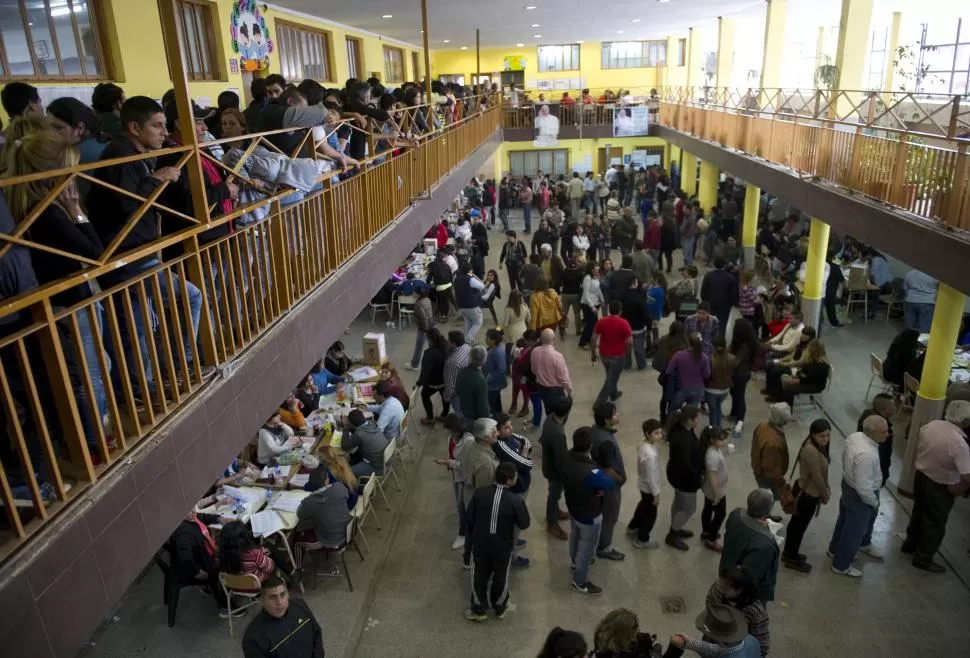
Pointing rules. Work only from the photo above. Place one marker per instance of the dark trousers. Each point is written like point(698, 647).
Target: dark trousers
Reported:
point(589, 322)
point(426, 393)
point(832, 309)
point(492, 567)
point(644, 517)
point(932, 503)
point(739, 406)
point(495, 401)
point(722, 319)
point(712, 516)
point(773, 375)
point(805, 508)
point(665, 396)
point(611, 514)
point(549, 395)
point(513, 271)
point(669, 255)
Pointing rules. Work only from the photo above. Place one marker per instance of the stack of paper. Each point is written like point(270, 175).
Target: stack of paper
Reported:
point(299, 480)
point(266, 523)
point(363, 372)
point(287, 503)
point(245, 494)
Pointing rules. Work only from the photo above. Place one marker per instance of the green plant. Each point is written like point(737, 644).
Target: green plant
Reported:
point(826, 74)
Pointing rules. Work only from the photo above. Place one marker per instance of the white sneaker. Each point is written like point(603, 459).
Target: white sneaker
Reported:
point(410, 367)
point(738, 426)
point(874, 552)
point(458, 543)
point(851, 572)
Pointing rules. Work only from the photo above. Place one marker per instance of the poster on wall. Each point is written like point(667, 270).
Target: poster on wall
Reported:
point(546, 124)
point(630, 121)
point(250, 36)
point(513, 63)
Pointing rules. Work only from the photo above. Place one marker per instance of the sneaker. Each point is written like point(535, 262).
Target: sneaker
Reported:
point(466, 564)
point(676, 542)
point(519, 543)
point(851, 572)
point(929, 565)
point(471, 615)
point(611, 554)
point(738, 427)
point(411, 367)
point(521, 562)
point(713, 545)
point(587, 588)
point(648, 545)
point(507, 610)
point(458, 543)
point(686, 534)
point(874, 552)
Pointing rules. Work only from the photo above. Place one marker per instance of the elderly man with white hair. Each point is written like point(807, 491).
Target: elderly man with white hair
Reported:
point(549, 368)
point(477, 467)
point(861, 481)
point(769, 451)
point(750, 544)
point(942, 474)
point(552, 265)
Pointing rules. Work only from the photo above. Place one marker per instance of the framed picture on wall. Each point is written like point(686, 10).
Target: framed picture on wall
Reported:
point(546, 124)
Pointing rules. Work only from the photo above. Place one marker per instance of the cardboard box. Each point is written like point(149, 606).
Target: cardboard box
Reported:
point(375, 350)
point(430, 246)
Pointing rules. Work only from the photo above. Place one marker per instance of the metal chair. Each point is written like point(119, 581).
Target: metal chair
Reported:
point(349, 540)
point(405, 310)
point(363, 507)
point(244, 586)
point(875, 365)
point(380, 308)
point(389, 459)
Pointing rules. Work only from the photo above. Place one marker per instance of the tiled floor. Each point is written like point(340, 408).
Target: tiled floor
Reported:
point(410, 603)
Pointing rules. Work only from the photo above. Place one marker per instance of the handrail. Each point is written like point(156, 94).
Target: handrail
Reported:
point(84, 384)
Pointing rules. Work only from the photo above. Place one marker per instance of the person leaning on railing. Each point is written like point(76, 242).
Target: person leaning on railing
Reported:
point(291, 110)
point(110, 211)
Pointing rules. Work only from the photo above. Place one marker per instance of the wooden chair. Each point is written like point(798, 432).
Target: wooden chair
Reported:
point(243, 586)
point(911, 388)
point(892, 302)
point(857, 288)
point(875, 366)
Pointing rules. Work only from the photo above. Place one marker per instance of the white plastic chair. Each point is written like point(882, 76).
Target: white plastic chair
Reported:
point(405, 314)
point(380, 308)
point(364, 507)
point(389, 453)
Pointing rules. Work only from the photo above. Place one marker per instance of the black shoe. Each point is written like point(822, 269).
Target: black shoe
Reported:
point(908, 547)
point(587, 588)
point(676, 542)
point(611, 554)
point(619, 394)
point(928, 565)
point(798, 565)
point(686, 534)
point(777, 518)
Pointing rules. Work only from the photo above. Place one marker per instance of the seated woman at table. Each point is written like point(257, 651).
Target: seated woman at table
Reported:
point(811, 377)
point(325, 380)
point(194, 558)
point(338, 469)
point(336, 361)
point(291, 413)
point(241, 553)
point(798, 357)
point(901, 353)
point(308, 394)
point(326, 513)
point(395, 386)
point(275, 438)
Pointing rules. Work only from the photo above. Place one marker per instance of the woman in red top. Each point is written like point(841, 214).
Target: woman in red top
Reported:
point(440, 233)
point(651, 237)
point(240, 553)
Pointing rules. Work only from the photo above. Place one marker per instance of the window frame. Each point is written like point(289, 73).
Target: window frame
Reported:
point(210, 17)
point(358, 57)
point(681, 52)
point(327, 52)
point(415, 65)
point(525, 153)
point(574, 54)
point(388, 78)
point(653, 54)
point(101, 54)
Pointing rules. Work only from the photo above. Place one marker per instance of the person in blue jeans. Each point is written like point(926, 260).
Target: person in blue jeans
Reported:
point(584, 484)
point(554, 455)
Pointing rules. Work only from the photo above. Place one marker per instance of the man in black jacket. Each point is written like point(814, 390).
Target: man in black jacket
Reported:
point(285, 628)
point(605, 451)
point(720, 290)
point(516, 450)
point(195, 557)
point(553, 441)
point(493, 515)
point(513, 257)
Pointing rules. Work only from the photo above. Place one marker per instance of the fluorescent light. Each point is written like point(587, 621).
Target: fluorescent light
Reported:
point(464, 47)
point(387, 16)
point(531, 7)
point(635, 20)
point(520, 45)
point(619, 31)
point(536, 36)
point(535, 25)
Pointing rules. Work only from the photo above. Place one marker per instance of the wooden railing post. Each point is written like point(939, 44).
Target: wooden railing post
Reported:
point(898, 194)
point(953, 126)
point(280, 257)
point(958, 207)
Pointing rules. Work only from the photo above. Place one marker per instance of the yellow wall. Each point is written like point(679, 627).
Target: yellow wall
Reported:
point(453, 62)
point(135, 45)
point(580, 148)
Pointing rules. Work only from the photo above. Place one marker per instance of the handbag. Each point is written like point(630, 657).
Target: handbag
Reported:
point(787, 496)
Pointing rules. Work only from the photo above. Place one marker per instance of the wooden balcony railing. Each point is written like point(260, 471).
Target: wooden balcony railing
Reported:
point(80, 387)
point(907, 150)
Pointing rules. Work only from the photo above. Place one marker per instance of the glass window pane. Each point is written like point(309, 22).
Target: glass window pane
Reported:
point(189, 45)
point(89, 39)
point(939, 58)
point(40, 36)
point(15, 39)
point(201, 24)
point(66, 42)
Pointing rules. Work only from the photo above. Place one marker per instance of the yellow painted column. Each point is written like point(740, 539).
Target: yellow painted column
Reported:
point(688, 173)
point(749, 227)
point(947, 316)
point(850, 55)
point(707, 187)
point(725, 51)
point(890, 71)
point(814, 293)
point(693, 58)
point(675, 154)
point(776, 19)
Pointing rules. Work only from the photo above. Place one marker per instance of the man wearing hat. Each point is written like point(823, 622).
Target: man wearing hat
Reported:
point(725, 634)
point(749, 544)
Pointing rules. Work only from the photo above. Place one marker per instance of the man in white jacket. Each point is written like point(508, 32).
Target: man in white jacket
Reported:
point(786, 340)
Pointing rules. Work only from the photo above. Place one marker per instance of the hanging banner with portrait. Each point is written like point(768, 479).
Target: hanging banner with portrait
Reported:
point(546, 124)
point(250, 36)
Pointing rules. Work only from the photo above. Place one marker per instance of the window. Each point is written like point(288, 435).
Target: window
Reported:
point(57, 40)
point(634, 54)
point(393, 64)
point(193, 20)
point(415, 66)
point(354, 59)
point(559, 58)
point(682, 52)
point(527, 163)
point(304, 52)
point(944, 58)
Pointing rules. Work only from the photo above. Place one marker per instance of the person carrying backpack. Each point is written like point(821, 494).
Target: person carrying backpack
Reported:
point(513, 258)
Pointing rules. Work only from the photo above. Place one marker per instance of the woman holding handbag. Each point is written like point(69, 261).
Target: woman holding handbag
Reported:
point(809, 493)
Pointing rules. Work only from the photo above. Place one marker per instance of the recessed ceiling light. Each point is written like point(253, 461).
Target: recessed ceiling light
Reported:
point(464, 47)
point(531, 7)
point(387, 16)
point(619, 31)
point(446, 41)
point(536, 36)
point(580, 41)
point(520, 45)
point(635, 20)
point(535, 25)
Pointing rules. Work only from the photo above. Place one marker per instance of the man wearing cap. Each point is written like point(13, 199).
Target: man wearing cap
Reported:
point(749, 544)
point(725, 634)
point(365, 443)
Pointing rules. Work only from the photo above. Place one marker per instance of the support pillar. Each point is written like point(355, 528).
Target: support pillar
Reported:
point(749, 229)
point(707, 187)
point(947, 315)
point(776, 19)
point(818, 244)
point(850, 55)
point(693, 58)
point(725, 51)
point(890, 71)
point(688, 173)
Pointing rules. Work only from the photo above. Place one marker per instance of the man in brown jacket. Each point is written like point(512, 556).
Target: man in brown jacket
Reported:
point(769, 451)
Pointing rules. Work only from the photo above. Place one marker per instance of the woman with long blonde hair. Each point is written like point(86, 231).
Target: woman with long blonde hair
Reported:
point(32, 148)
point(338, 468)
point(811, 377)
point(618, 636)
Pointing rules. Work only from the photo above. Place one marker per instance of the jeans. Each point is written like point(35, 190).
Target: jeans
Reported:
point(473, 322)
point(805, 507)
point(583, 538)
point(918, 316)
point(644, 517)
point(570, 301)
point(691, 396)
point(589, 322)
point(932, 503)
point(682, 507)
point(169, 296)
point(418, 348)
point(639, 351)
point(89, 345)
point(527, 217)
point(552, 501)
point(852, 526)
point(503, 215)
point(589, 202)
point(712, 516)
point(714, 401)
point(688, 246)
point(613, 365)
point(739, 406)
point(536, 400)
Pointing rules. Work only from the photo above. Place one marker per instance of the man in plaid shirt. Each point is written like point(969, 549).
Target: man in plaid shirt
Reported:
point(705, 324)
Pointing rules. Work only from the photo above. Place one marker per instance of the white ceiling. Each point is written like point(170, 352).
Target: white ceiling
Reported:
point(507, 22)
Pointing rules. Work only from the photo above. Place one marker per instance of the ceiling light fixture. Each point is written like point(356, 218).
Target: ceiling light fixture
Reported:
point(464, 47)
point(387, 16)
point(536, 36)
point(520, 45)
point(535, 25)
point(635, 20)
point(580, 41)
point(619, 31)
point(531, 7)
point(446, 41)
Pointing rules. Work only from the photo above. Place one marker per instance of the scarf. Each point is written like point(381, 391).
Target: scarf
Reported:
point(210, 543)
point(213, 176)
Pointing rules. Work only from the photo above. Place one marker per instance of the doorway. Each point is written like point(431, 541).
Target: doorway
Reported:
point(607, 156)
point(516, 78)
